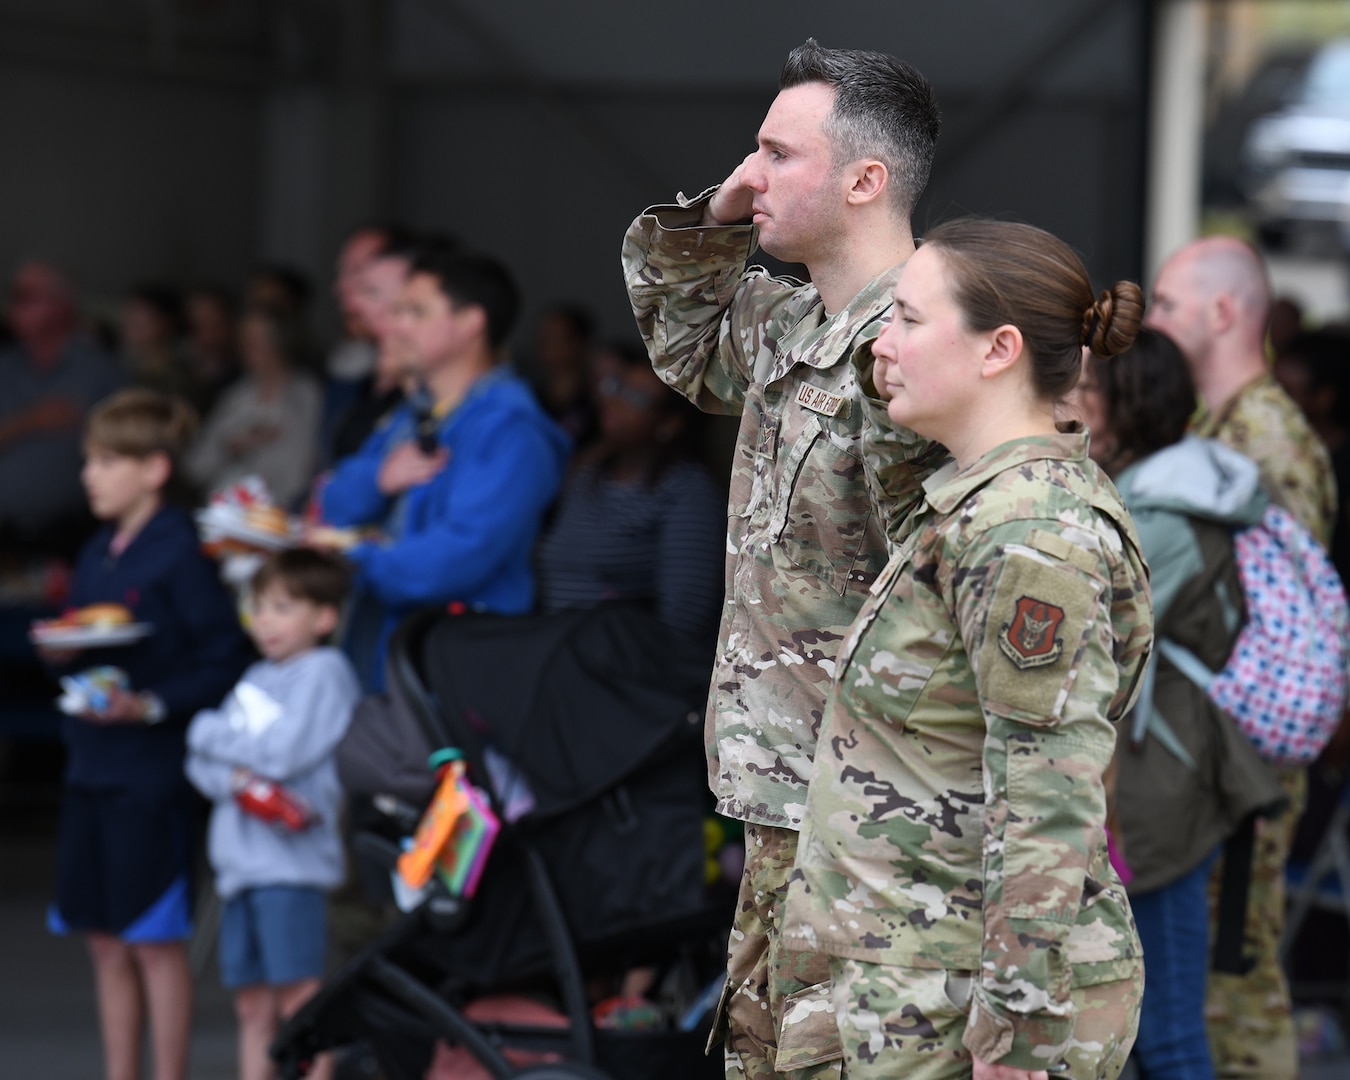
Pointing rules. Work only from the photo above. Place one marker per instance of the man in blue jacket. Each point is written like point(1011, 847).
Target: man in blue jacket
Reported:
point(458, 479)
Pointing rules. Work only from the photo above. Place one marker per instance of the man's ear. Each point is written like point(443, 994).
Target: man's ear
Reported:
point(1005, 349)
point(474, 318)
point(869, 179)
point(1223, 312)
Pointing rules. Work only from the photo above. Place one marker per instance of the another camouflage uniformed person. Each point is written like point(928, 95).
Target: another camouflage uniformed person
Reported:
point(1262, 422)
point(1212, 297)
point(803, 544)
point(954, 862)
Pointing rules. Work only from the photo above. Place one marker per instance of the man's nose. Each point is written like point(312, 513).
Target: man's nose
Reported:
point(755, 175)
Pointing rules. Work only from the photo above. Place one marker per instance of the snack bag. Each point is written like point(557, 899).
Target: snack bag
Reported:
point(90, 691)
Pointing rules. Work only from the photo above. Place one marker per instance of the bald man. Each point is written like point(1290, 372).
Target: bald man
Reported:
point(51, 376)
point(1213, 298)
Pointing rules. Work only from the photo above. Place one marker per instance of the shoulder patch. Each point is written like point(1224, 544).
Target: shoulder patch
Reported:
point(1039, 617)
point(1031, 637)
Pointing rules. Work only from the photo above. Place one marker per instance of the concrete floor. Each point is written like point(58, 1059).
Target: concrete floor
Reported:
point(48, 1015)
point(48, 1019)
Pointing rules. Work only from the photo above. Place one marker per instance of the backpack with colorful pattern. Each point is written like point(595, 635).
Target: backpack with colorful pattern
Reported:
point(1285, 681)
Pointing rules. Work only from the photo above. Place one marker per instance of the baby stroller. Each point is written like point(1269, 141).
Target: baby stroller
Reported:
point(585, 729)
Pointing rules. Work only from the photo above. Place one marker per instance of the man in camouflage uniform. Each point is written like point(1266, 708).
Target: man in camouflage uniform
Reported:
point(953, 862)
point(1213, 298)
point(843, 155)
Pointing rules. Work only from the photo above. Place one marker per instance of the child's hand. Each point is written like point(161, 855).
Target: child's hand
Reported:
point(124, 707)
point(407, 467)
point(57, 657)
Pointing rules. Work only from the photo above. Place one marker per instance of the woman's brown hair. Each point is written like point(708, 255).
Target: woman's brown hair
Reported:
point(1004, 272)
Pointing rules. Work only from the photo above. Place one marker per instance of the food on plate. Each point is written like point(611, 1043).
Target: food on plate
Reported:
point(102, 615)
point(268, 519)
point(330, 536)
point(95, 617)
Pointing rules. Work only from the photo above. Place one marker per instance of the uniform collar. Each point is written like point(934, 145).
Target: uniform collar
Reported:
point(947, 488)
point(1209, 422)
point(870, 303)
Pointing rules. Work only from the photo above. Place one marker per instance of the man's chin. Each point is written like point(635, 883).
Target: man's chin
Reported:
point(781, 251)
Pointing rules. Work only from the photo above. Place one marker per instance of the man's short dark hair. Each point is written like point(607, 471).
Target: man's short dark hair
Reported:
point(470, 278)
point(306, 574)
point(883, 108)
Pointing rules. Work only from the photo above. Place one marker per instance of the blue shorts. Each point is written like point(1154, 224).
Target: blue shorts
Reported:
point(273, 935)
point(124, 864)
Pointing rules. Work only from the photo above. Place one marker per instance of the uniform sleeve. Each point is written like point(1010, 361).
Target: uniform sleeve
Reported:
point(1297, 476)
point(1035, 614)
point(700, 314)
point(485, 505)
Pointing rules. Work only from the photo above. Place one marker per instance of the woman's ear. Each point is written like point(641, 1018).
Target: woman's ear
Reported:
point(1005, 349)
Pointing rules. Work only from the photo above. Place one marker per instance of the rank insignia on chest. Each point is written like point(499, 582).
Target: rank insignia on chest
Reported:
point(1031, 640)
point(819, 400)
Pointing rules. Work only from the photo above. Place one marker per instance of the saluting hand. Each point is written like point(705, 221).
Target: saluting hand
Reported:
point(732, 203)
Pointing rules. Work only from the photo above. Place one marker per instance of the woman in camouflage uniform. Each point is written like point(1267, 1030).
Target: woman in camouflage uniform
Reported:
point(954, 864)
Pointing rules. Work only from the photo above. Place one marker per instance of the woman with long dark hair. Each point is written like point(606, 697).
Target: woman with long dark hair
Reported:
point(1186, 777)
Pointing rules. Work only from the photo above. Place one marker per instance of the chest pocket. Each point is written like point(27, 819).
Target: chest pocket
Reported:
point(821, 515)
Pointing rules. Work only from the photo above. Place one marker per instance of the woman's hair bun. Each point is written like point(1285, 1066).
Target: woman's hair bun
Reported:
point(1112, 321)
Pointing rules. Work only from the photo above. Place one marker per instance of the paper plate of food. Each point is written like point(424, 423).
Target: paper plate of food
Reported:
point(98, 625)
point(256, 527)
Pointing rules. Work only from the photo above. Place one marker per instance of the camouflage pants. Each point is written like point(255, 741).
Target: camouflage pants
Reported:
point(908, 1022)
point(1250, 1021)
point(779, 1022)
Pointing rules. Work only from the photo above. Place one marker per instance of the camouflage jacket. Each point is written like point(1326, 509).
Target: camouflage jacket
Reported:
point(1262, 422)
point(956, 818)
point(803, 544)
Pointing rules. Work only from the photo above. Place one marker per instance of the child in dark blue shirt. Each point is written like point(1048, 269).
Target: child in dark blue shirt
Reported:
point(125, 856)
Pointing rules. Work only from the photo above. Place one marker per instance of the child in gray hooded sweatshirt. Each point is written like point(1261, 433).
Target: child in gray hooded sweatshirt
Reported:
point(265, 760)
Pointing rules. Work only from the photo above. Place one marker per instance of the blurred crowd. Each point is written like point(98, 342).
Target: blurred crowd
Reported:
point(278, 403)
